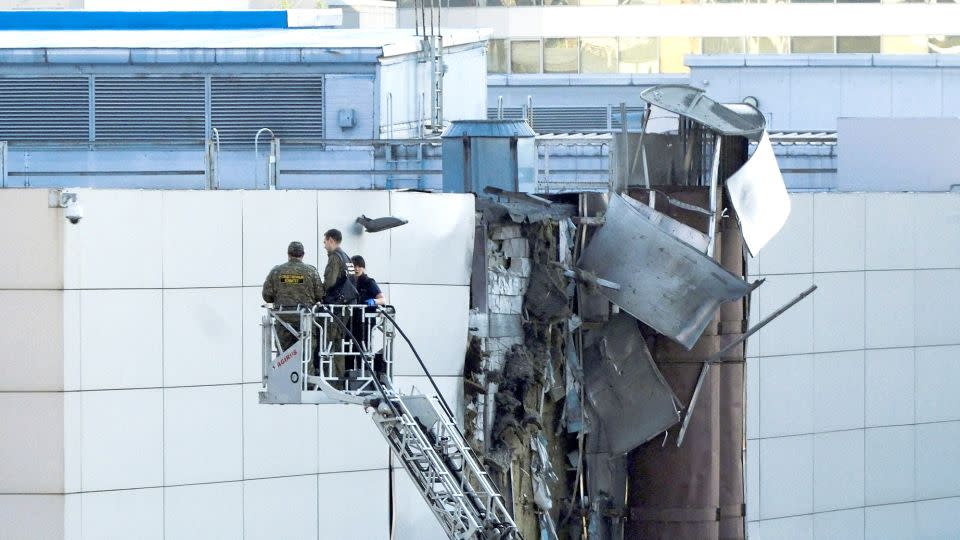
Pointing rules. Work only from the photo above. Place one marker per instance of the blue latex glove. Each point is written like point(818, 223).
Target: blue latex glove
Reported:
point(371, 302)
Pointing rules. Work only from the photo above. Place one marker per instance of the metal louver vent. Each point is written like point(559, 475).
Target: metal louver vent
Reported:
point(292, 107)
point(560, 119)
point(44, 108)
point(148, 108)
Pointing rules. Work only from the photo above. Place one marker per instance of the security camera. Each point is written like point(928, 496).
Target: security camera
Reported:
point(73, 211)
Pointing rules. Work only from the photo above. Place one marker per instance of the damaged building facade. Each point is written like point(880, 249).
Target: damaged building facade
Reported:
point(604, 380)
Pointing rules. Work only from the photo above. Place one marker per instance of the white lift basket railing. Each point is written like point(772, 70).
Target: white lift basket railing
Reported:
point(354, 347)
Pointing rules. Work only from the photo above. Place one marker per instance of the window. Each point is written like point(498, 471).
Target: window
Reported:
point(944, 44)
point(768, 45)
point(560, 55)
point(512, 3)
point(497, 56)
point(461, 3)
point(672, 51)
point(598, 55)
point(560, 2)
point(638, 55)
point(903, 44)
point(858, 44)
point(723, 45)
point(811, 44)
point(525, 56)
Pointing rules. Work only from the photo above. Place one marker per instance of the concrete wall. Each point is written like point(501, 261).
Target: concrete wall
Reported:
point(130, 365)
point(853, 414)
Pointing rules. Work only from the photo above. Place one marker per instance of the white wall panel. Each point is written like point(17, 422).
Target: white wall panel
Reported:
point(31, 340)
point(791, 250)
point(73, 442)
point(71, 340)
point(354, 91)
point(890, 522)
point(889, 387)
point(278, 440)
point(118, 243)
point(753, 343)
point(845, 524)
point(208, 511)
point(122, 439)
point(938, 469)
point(349, 440)
point(753, 398)
point(938, 519)
point(31, 243)
point(354, 505)
point(436, 247)
point(938, 383)
point(889, 465)
point(786, 476)
point(753, 480)
point(202, 336)
point(203, 434)
point(937, 317)
point(838, 231)
point(340, 210)
point(838, 311)
point(435, 318)
point(786, 395)
point(937, 230)
point(889, 230)
point(32, 517)
point(919, 95)
point(838, 391)
point(252, 337)
point(889, 300)
point(31, 442)
point(815, 110)
point(792, 528)
point(123, 515)
point(838, 470)
point(864, 93)
point(792, 332)
point(271, 220)
point(773, 88)
point(202, 238)
point(413, 518)
point(951, 92)
point(280, 508)
point(121, 339)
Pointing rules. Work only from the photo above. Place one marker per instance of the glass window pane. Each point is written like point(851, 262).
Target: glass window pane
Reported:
point(723, 45)
point(810, 1)
point(858, 1)
point(598, 55)
point(405, 3)
point(560, 55)
point(858, 44)
point(903, 44)
point(944, 44)
point(598, 2)
point(638, 2)
point(561, 2)
point(525, 57)
point(638, 55)
point(905, 1)
point(511, 3)
point(811, 44)
point(461, 3)
point(672, 51)
point(768, 45)
point(497, 56)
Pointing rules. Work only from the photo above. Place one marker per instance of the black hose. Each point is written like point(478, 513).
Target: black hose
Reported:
point(363, 355)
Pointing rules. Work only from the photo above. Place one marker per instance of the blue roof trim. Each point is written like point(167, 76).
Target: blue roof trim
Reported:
point(142, 20)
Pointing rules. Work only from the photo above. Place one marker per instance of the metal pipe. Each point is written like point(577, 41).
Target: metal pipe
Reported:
point(714, 180)
point(256, 154)
point(499, 107)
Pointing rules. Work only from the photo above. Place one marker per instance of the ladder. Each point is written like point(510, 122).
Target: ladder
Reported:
point(436, 83)
point(420, 430)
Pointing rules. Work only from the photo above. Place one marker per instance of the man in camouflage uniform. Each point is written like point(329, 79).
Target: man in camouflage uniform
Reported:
point(339, 287)
point(289, 285)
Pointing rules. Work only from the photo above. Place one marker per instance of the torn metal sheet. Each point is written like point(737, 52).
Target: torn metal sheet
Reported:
point(759, 196)
point(682, 231)
point(694, 104)
point(664, 282)
point(624, 388)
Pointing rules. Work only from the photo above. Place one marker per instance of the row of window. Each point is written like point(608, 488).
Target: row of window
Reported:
point(526, 3)
point(665, 54)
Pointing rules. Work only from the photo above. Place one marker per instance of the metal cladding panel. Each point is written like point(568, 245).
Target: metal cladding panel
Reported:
point(132, 108)
point(292, 107)
point(44, 108)
point(759, 196)
point(620, 376)
point(663, 281)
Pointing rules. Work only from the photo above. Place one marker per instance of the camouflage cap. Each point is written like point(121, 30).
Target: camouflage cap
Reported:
point(295, 249)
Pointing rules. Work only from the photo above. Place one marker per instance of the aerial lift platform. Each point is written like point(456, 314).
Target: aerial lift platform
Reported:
point(344, 354)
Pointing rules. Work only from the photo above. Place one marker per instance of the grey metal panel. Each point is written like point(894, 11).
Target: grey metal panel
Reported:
point(291, 106)
point(88, 56)
point(624, 387)
point(488, 128)
point(144, 108)
point(663, 281)
point(44, 108)
point(349, 92)
point(173, 56)
point(693, 103)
